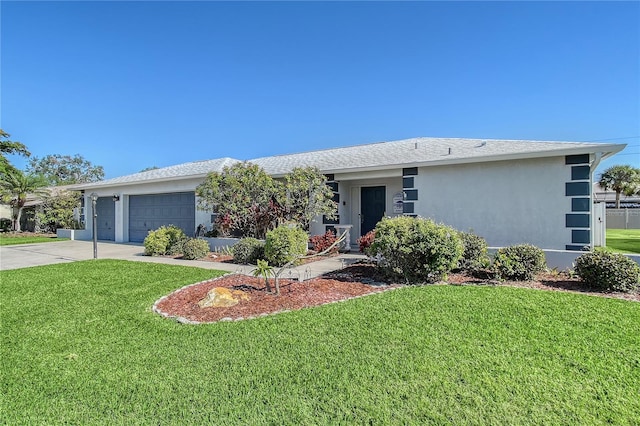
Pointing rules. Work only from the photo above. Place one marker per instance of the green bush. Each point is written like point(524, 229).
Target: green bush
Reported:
point(156, 243)
point(284, 244)
point(177, 246)
point(474, 256)
point(175, 234)
point(159, 242)
point(520, 262)
point(415, 249)
point(608, 271)
point(248, 251)
point(195, 248)
point(5, 224)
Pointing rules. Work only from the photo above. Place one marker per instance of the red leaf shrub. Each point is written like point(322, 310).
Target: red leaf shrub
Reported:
point(322, 242)
point(366, 240)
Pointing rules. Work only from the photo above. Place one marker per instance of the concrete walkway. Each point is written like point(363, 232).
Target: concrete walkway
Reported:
point(28, 255)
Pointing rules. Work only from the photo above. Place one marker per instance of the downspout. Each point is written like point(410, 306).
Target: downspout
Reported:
point(594, 165)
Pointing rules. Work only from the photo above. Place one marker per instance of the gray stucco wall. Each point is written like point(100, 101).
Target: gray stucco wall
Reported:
point(506, 202)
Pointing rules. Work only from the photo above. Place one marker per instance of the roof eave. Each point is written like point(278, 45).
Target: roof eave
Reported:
point(97, 185)
point(607, 151)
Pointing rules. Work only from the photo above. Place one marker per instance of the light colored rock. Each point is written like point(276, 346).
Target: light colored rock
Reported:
point(220, 297)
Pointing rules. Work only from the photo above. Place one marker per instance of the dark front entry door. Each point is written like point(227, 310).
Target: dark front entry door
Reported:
point(372, 207)
point(105, 222)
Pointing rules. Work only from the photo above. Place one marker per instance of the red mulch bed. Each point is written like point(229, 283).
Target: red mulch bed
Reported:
point(294, 295)
point(352, 281)
point(228, 258)
point(546, 281)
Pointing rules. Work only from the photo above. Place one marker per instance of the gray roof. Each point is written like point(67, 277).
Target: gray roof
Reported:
point(185, 170)
point(381, 155)
point(418, 151)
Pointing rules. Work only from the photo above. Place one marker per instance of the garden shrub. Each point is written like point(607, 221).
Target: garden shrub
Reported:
point(177, 246)
point(322, 242)
point(415, 249)
point(284, 244)
point(175, 234)
point(5, 224)
point(520, 262)
point(608, 271)
point(158, 242)
point(474, 256)
point(248, 251)
point(195, 248)
point(365, 241)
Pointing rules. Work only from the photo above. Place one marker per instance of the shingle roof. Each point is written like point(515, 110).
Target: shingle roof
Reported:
point(416, 151)
point(402, 153)
point(185, 170)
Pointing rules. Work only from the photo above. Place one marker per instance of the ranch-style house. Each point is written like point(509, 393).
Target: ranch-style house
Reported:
point(507, 191)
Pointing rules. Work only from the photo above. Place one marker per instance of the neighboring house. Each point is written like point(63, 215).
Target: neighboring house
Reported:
point(609, 197)
point(507, 191)
point(27, 218)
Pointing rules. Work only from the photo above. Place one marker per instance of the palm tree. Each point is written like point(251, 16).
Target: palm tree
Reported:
point(622, 179)
point(15, 186)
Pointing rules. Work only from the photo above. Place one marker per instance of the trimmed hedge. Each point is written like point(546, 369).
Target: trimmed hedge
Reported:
point(248, 251)
point(608, 271)
point(160, 241)
point(416, 250)
point(474, 256)
point(520, 262)
point(284, 244)
point(177, 246)
point(195, 248)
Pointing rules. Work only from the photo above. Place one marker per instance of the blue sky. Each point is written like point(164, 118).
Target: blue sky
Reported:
point(129, 85)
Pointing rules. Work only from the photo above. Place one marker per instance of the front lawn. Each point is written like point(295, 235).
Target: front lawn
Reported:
point(80, 345)
point(8, 239)
point(623, 240)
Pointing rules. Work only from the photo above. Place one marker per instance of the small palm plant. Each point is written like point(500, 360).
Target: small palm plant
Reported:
point(264, 270)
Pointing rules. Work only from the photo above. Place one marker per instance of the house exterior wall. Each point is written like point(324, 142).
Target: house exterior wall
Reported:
point(122, 206)
point(5, 211)
point(349, 208)
point(506, 202)
point(540, 201)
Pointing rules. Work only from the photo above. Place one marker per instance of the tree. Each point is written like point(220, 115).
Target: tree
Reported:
point(65, 170)
point(306, 196)
point(621, 179)
point(10, 147)
point(244, 197)
point(16, 186)
point(56, 211)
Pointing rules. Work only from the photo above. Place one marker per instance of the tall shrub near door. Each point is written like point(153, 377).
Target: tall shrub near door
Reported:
point(285, 244)
point(416, 250)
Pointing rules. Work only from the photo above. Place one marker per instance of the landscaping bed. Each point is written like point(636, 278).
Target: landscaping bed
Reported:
point(352, 281)
point(256, 302)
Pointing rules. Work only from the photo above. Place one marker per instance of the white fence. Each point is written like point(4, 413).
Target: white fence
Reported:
point(623, 218)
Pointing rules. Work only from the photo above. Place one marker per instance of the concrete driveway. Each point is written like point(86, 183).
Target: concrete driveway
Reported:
point(27, 255)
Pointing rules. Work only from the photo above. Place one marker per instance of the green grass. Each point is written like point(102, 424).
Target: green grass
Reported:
point(12, 239)
point(80, 345)
point(623, 240)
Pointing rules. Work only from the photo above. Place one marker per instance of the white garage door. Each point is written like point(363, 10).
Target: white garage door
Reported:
point(149, 212)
